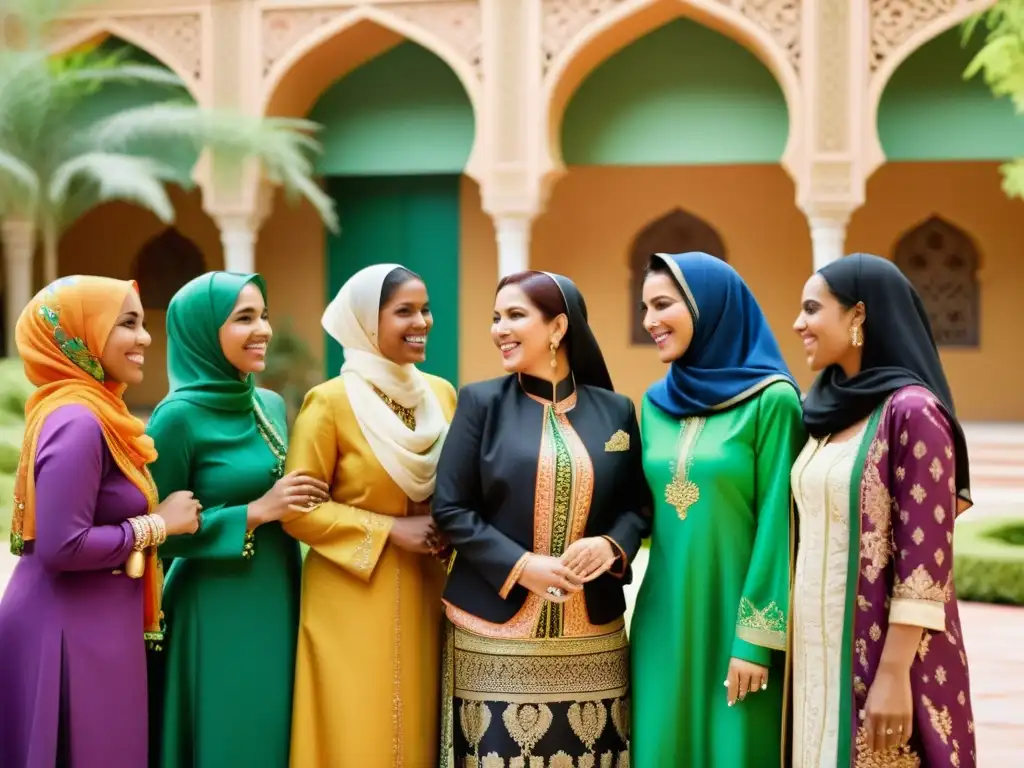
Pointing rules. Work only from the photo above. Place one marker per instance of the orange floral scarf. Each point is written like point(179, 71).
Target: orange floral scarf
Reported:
point(60, 337)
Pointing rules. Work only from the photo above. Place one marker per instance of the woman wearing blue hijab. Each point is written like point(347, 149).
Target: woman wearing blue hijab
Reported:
point(720, 433)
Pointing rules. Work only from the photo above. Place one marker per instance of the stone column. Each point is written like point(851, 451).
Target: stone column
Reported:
point(832, 177)
point(513, 233)
point(19, 238)
point(510, 175)
point(238, 237)
point(828, 238)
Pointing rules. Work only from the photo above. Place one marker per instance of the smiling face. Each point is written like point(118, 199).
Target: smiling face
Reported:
point(124, 354)
point(522, 333)
point(246, 333)
point(824, 325)
point(404, 323)
point(666, 316)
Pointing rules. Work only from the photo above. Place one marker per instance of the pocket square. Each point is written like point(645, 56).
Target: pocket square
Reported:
point(618, 442)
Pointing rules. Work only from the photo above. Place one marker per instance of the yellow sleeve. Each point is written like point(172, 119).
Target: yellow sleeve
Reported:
point(350, 537)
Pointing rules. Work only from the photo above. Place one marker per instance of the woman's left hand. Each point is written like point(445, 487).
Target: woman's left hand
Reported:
point(744, 677)
point(589, 558)
point(889, 709)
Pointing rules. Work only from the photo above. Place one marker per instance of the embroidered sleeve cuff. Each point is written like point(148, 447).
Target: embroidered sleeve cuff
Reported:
point(620, 566)
point(765, 626)
point(513, 576)
point(766, 638)
point(929, 614)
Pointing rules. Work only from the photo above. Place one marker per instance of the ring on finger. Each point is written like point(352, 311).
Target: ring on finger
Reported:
point(555, 591)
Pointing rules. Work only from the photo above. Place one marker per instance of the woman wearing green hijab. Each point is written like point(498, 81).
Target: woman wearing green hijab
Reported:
point(231, 596)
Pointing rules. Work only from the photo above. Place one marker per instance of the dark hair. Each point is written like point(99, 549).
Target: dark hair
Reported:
point(657, 266)
point(845, 301)
point(542, 291)
point(395, 279)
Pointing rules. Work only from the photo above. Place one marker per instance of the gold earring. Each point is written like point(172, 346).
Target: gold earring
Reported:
point(855, 336)
point(553, 346)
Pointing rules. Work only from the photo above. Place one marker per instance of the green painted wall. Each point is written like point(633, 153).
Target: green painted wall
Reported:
point(928, 111)
point(682, 95)
point(408, 220)
point(115, 97)
point(401, 113)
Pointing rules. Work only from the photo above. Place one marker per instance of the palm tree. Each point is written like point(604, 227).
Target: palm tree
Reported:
point(1001, 63)
point(52, 169)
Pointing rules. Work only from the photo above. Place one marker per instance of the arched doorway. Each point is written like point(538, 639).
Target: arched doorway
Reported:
point(398, 131)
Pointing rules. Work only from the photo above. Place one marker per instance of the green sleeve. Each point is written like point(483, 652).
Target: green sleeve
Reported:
point(222, 534)
point(763, 611)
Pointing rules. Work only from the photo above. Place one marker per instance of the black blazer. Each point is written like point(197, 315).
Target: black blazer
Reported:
point(487, 474)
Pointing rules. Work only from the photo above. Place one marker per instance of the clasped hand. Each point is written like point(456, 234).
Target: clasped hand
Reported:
point(558, 578)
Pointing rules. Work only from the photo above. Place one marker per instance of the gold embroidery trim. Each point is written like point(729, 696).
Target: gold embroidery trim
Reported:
point(765, 627)
point(513, 575)
point(682, 493)
point(406, 415)
point(532, 671)
point(371, 524)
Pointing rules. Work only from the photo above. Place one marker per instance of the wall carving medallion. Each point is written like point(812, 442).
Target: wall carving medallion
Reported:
point(678, 231)
point(942, 261)
point(563, 20)
point(893, 22)
point(456, 22)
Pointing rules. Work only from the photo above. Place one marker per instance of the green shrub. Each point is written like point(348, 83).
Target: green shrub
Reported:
point(14, 391)
point(989, 561)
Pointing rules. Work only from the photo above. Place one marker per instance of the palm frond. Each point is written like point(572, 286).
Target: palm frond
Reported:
point(130, 74)
point(102, 177)
point(19, 185)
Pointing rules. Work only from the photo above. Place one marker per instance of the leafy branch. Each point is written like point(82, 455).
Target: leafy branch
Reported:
point(1001, 64)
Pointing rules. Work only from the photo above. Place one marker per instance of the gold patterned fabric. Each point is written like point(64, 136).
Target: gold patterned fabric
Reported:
point(367, 687)
point(541, 703)
point(547, 689)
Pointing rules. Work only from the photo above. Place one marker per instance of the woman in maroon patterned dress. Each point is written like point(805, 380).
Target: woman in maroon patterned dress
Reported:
point(880, 671)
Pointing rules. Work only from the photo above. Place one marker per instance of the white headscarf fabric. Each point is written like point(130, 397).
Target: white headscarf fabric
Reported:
point(408, 456)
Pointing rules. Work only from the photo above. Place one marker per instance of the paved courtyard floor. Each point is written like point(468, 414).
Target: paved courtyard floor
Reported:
point(994, 636)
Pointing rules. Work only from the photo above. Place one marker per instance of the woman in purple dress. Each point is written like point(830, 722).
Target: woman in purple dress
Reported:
point(84, 596)
point(879, 666)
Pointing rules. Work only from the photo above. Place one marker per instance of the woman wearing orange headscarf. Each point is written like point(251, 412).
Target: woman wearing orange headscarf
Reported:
point(86, 592)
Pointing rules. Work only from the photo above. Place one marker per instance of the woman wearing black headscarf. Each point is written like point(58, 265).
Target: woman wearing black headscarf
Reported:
point(540, 490)
point(880, 673)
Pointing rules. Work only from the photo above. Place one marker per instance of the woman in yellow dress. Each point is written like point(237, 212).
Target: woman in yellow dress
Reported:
point(367, 675)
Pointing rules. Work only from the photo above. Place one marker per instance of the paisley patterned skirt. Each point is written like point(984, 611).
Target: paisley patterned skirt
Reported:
point(537, 703)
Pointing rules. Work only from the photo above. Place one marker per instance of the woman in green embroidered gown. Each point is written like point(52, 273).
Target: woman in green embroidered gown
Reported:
point(720, 433)
point(223, 696)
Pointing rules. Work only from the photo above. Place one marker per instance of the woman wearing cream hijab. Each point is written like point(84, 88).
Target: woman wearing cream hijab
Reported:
point(367, 676)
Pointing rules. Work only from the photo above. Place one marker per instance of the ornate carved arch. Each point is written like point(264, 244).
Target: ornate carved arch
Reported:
point(675, 232)
point(164, 264)
point(942, 261)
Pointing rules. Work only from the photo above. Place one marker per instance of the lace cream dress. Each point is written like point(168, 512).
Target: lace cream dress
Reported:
point(821, 487)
